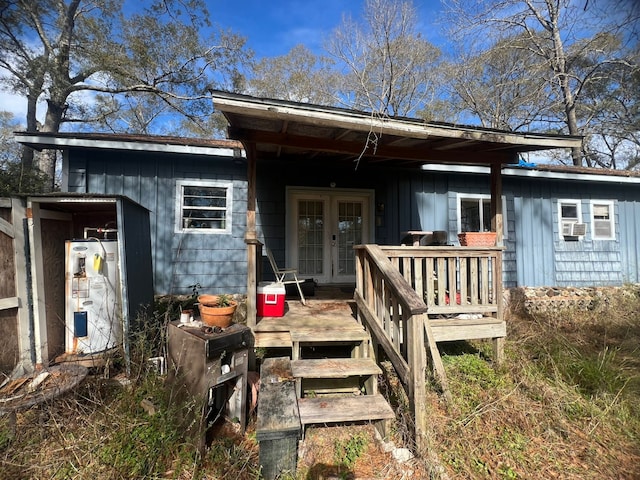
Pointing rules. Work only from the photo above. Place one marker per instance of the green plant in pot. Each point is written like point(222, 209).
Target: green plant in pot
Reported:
point(217, 310)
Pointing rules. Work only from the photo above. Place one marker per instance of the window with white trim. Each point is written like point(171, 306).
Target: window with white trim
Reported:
point(602, 220)
point(570, 219)
point(474, 213)
point(203, 206)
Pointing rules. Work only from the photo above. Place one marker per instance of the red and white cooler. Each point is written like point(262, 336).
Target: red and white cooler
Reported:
point(271, 298)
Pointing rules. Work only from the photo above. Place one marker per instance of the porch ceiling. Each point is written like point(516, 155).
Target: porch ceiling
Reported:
point(298, 131)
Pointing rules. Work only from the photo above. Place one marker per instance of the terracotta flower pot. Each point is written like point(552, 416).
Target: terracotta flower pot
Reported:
point(213, 314)
point(477, 239)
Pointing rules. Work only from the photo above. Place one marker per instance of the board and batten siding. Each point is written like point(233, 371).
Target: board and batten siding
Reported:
point(629, 220)
point(215, 261)
point(534, 255)
point(545, 258)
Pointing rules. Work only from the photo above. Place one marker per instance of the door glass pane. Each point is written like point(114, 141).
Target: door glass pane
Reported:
point(469, 216)
point(349, 234)
point(486, 215)
point(310, 237)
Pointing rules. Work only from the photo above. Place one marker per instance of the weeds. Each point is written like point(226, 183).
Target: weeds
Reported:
point(346, 452)
point(564, 406)
point(102, 431)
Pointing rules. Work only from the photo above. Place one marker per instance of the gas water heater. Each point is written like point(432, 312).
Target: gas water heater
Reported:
point(93, 317)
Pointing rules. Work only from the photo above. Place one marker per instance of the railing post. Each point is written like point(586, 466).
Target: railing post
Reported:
point(417, 361)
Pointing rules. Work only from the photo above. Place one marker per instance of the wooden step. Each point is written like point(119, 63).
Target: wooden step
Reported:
point(334, 368)
point(357, 338)
point(451, 329)
point(343, 409)
point(324, 335)
point(272, 340)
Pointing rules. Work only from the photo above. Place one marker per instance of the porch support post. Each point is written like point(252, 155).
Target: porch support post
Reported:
point(251, 238)
point(496, 202)
point(497, 226)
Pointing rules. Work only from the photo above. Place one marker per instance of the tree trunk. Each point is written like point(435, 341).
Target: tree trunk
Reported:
point(52, 121)
point(32, 126)
point(559, 63)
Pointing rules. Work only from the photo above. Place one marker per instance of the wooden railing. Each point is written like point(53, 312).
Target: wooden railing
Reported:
point(396, 317)
point(453, 280)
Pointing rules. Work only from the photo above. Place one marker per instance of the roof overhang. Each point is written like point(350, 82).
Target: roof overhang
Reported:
point(295, 131)
point(127, 142)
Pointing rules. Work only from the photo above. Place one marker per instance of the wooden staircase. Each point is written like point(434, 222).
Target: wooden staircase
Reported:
point(331, 378)
point(337, 378)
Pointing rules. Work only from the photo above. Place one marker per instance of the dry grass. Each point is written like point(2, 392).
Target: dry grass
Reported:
point(565, 405)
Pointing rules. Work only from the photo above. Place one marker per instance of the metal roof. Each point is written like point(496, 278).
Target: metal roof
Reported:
point(296, 131)
point(119, 141)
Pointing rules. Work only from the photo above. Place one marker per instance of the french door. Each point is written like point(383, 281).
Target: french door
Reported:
point(324, 226)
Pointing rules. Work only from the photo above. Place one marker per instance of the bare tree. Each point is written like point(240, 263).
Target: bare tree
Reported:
point(62, 50)
point(560, 33)
point(503, 86)
point(299, 76)
point(15, 176)
point(387, 66)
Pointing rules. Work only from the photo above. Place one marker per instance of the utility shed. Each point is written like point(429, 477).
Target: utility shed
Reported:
point(33, 232)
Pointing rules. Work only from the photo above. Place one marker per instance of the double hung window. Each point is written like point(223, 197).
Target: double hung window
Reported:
point(203, 206)
point(602, 220)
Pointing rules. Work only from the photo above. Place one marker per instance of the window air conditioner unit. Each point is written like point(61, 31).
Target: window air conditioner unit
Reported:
point(574, 229)
point(578, 229)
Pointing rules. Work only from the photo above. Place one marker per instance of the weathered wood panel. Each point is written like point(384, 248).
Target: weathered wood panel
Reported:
point(55, 232)
point(8, 314)
point(135, 238)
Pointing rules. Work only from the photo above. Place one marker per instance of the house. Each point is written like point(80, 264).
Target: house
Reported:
point(350, 197)
point(562, 226)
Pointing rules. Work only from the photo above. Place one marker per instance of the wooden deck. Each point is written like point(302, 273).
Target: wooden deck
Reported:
point(330, 309)
point(333, 310)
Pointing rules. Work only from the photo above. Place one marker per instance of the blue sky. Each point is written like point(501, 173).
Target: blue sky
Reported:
point(273, 27)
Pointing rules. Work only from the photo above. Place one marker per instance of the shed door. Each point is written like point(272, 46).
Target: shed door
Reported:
point(325, 227)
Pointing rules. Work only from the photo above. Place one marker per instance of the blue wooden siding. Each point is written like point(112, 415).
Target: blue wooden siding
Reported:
point(535, 254)
point(216, 261)
point(629, 235)
point(135, 238)
point(544, 258)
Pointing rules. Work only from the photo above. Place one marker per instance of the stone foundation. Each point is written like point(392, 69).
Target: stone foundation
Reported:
point(541, 300)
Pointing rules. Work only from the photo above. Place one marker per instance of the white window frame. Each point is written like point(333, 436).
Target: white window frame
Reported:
point(481, 197)
point(179, 205)
point(562, 220)
point(611, 220)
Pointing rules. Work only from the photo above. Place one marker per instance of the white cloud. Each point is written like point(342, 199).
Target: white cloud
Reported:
point(16, 104)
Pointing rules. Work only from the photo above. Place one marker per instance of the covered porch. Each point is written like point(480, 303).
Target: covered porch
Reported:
point(406, 298)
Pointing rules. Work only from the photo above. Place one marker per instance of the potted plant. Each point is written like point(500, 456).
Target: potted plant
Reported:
point(217, 310)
